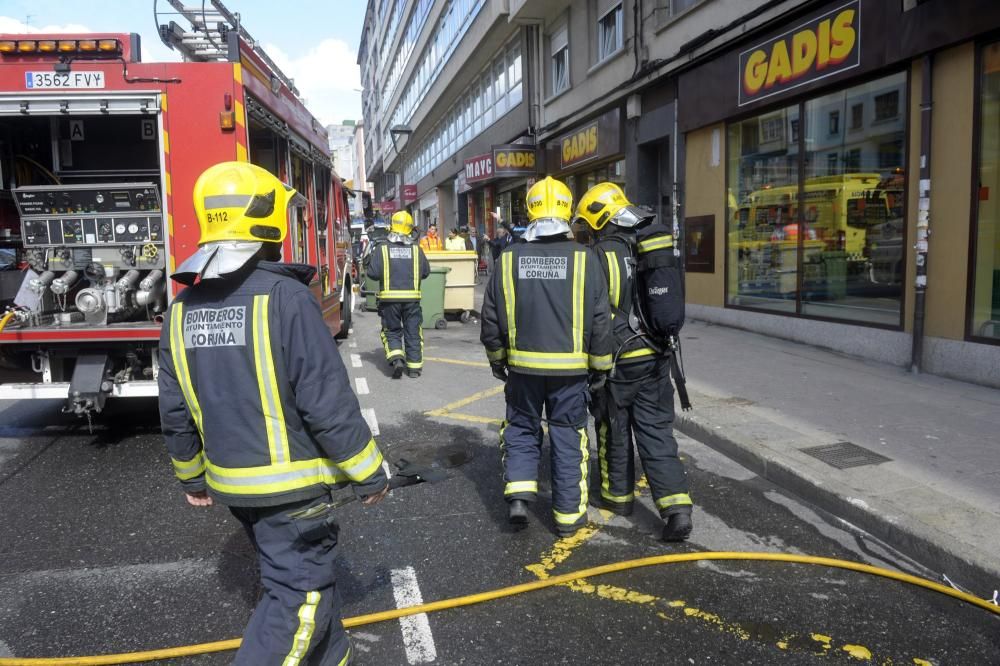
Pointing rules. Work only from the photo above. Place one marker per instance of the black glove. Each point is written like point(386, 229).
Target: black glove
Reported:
point(597, 381)
point(499, 371)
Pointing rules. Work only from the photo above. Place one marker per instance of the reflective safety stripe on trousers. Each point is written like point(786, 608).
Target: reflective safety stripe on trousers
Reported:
point(267, 383)
point(581, 511)
point(303, 635)
point(577, 359)
point(179, 356)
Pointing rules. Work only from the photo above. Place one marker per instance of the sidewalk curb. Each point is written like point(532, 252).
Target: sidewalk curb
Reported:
point(728, 428)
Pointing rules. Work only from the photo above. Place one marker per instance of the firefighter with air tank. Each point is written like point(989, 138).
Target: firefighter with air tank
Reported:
point(258, 413)
point(546, 328)
point(647, 309)
point(400, 265)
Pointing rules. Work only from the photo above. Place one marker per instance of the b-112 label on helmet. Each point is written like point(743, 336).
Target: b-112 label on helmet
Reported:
point(542, 268)
point(215, 327)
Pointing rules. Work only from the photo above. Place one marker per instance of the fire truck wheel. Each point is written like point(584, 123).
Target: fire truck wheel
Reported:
point(346, 311)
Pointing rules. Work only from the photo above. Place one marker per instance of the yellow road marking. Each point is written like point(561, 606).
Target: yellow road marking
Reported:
point(475, 364)
point(471, 417)
point(442, 411)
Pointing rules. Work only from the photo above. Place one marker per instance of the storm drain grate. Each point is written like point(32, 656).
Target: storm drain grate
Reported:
point(845, 454)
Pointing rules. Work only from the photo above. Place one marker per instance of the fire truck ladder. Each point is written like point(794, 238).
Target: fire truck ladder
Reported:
point(207, 39)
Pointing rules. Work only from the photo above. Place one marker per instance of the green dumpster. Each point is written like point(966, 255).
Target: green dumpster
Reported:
point(432, 297)
point(835, 263)
point(369, 288)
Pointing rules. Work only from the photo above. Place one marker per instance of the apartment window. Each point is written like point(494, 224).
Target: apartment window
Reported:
point(610, 32)
point(887, 105)
point(834, 122)
point(559, 48)
point(832, 162)
point(681, 6)
point(857, 116)
point(852, 162)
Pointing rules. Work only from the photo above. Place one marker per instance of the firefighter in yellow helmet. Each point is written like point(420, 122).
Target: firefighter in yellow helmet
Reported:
point(647, 308)
point(546, 329)
point(258, 413)
point(400, 265)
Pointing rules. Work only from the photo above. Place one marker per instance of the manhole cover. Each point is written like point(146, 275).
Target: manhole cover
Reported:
point(845, 454)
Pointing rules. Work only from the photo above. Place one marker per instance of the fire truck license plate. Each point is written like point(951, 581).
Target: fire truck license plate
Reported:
point(53, 80)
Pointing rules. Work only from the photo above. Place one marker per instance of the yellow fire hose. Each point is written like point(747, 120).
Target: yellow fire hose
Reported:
point(490, 595)
point(4, 319)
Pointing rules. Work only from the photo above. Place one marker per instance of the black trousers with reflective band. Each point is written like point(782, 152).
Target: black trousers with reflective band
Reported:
point(640, 406)
point(297, 620)
point(564, 401)
point(402, 332)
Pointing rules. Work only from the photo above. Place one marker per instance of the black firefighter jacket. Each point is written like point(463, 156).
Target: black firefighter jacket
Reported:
point(399, 268)
point(255, 401)
point(546, 310)
point(623, 257)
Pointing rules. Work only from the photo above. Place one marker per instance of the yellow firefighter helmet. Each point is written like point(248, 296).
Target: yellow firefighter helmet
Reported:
point(401, 223)
point(239, 201)
point(550, 208)
point(604, 204)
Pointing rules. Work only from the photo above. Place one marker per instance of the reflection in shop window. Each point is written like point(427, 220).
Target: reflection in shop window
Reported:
point(840, 220)
point(985, 311)
point(887, 105)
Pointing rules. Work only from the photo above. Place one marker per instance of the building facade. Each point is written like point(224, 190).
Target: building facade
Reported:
point(342, 148)
point(830, 167)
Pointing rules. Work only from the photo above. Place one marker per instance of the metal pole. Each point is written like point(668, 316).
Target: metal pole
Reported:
point(923, 214)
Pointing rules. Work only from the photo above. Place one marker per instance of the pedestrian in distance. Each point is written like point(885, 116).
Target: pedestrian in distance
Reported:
point(400, 265)
point(454, 242)
point(431, 242)
point(546, 328)
point(258, 413)
point(647, 304)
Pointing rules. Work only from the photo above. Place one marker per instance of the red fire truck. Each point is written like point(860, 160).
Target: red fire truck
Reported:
point(98, 156)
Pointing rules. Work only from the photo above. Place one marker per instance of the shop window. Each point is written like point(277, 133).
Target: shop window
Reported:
point(887, 105)
point(840, 253)
point(984, 314)
point(610, 33)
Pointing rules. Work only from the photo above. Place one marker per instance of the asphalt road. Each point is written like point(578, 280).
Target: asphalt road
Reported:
point(99, 552)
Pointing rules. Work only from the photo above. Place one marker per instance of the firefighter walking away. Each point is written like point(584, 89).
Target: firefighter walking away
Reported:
point(647, 310)
point(546, 328)
point(399, 265)
point(258, 414)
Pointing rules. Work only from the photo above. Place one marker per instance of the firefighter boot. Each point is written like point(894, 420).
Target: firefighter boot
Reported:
point(397, 369)
point(413, 372)
point(618, 508)
point(678, 527)
point(517, 512)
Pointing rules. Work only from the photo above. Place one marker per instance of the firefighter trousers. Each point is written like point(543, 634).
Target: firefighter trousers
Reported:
point(639, 402)
point(297, 620)
point(402, 330)
point(564, 400)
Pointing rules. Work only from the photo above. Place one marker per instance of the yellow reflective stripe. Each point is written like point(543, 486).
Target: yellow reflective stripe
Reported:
point(520, 487)
point(189, 469)
point(636, 353)
point(267, 383)
point(303, 636)
point(657, 243)
point(673, 500)
point(272, 479)
point(179, 356)
point(507, 273)
point(416, 268)
point(364, 463)
point(601, 362)
point(614, 279)
point(414, 365)
point(391, 294)
point(548, 360)
point(571, 518)
point(579, 280)
point(497, 355)
point(385, 267)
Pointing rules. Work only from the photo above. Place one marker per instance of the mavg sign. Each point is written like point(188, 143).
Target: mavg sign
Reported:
point(826, 45)
point(479, 168)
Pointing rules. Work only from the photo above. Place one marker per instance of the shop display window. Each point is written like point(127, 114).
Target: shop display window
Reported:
point(985, 297)
point(816, 217)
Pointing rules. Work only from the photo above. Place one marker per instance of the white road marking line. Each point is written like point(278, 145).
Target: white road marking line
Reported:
point(369, 414)
point(350, 331)
point(5, 650)
point(362, 384)
point(416, 628)
point(356, 360)
point(353, 344)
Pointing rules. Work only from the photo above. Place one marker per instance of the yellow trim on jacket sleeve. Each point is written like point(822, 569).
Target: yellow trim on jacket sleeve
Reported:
point(363, 464)
point(179, 356)
point(656, 243)
point(579, 288)
point(498, 355)
point(185, 470)
point(614, 279)
point(600, 363)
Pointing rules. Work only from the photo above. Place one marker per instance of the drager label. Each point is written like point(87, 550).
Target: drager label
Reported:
point(542, 268)
point(222, 327)
point(400, 253)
